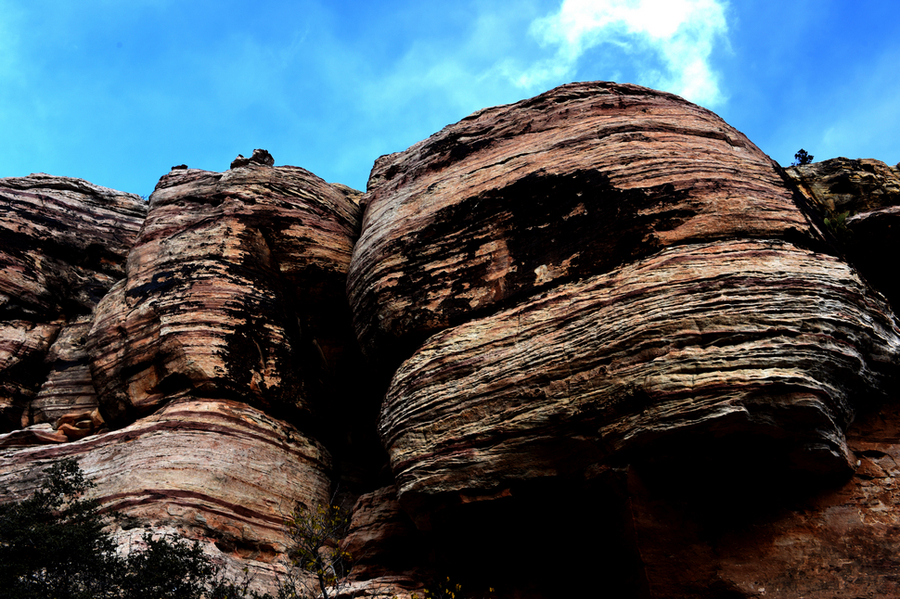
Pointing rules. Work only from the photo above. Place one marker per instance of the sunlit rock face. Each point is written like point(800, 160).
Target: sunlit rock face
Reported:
point(63, 244)
point(704, 340)
point(519, 198)
point(234, 289)
point(611, 331)
point(218, 359)
point(606, 273)
point(220, 472)
point(224, 343)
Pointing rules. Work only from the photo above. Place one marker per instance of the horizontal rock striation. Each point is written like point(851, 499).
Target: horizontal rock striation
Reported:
point(604, 320)
point(23, 346)
point(571, 183)
point(220, 472)
point(63, 243)
point(234, 289)
point(67, 398)
point(609, 275)
point(232, 294)
point(697, 342)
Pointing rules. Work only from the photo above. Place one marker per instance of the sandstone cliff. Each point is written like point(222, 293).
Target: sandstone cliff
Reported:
point(63, 244)
point(591, 343)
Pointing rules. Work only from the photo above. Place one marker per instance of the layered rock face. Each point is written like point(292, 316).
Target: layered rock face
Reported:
point(63, 243)
point(231, 316)
point(572, 183)
point(215, 358)
point(234, 290)
point(216, 471)
point(614, 346)
point(861, 200)
point(607, 273)
point(653, 356)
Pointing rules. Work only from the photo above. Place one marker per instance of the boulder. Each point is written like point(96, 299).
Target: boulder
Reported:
point(234, 289)
point(516, 199)
point(259, 157)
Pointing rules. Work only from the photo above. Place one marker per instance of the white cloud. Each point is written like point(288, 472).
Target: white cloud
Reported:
point(670, 41)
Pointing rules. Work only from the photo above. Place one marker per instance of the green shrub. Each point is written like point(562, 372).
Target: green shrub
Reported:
point(316, 535)
point(802, 157)
point(53, 545)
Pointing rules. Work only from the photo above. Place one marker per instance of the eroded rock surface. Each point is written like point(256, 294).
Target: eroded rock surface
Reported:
point(210, 369)
point(220, 472)
point(703, 340)
point(572, 183)
point(861, 200)
point(63, 243)
point(234, 289)
point(607, 273)
point(383, 541)
point(622, 345)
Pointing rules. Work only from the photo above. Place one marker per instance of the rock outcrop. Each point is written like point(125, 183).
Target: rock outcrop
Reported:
point(607, 273)
point(63, 243)
point(680, 349)
point(572, 183)
point(259, 157)
point(612, 343)
point(860, 200)
point(215, 359)
point(220, 472)
point(234, 289)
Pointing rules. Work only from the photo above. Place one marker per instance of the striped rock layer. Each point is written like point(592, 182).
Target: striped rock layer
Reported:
point(63, 244)
point(220, 472)
point(620, 341)
point(603, 275)
point(519, 198)
point(234, 289)
point(219, 348)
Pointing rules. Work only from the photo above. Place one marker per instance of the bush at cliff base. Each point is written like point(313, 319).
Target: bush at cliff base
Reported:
point(53, 544)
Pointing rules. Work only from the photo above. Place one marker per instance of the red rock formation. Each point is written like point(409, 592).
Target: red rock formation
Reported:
point(572, 183)
point(861, 201)
point(233, 294)
point(608, 218)
point(382, 540)
point(217, 471)
point(732, 338)
point(631, 356)
point(62, 246)
point(234, 289)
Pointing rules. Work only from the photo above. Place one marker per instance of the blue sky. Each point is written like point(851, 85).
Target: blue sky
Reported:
point(118, 92)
